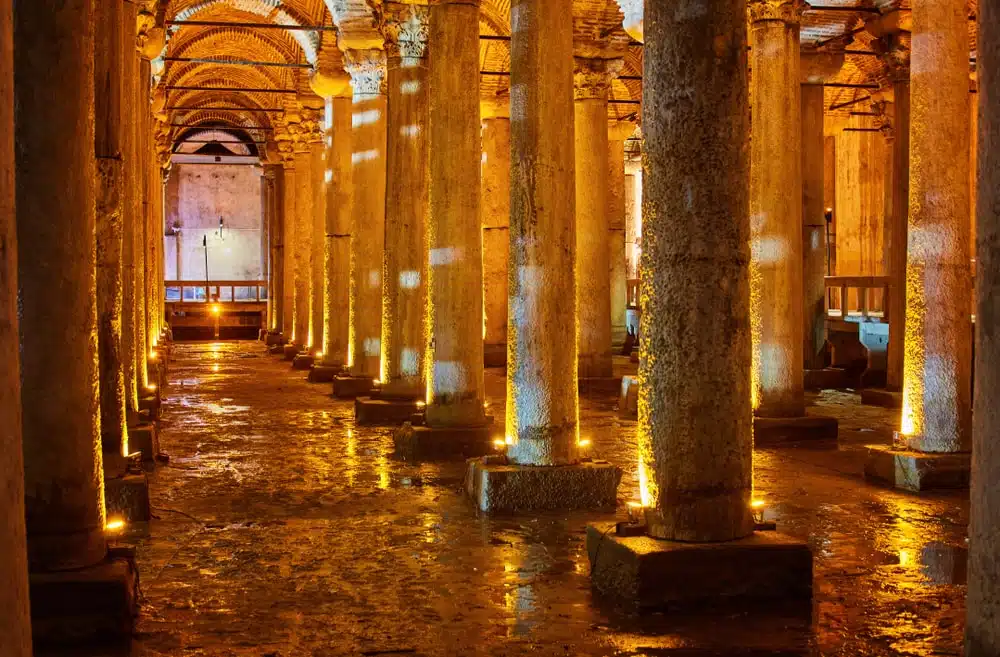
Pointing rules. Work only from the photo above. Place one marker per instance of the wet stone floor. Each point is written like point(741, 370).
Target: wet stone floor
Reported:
point(284, 530)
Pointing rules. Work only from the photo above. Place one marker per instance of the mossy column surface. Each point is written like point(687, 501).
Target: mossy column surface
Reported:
point(937, 360)
point(694, 434)
point(542, 401)
point(54, 131)
point(776, 209)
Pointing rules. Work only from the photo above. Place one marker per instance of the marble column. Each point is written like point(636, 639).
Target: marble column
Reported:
point(141, 162)
point(303, 245)
point(542, 401)
point(130, 298)
point(775, 214)
point(937, 360)
point(404, 265)
point(288, 230)
point(982, 632)
point(338, 229)
point(694, 434)
point(592, 81)
point(266, 218)
point(496, 229)
point(813, 228)
point(455, 388)
point(618, 269)
point(15, 640)
point(63, 482)
point(275, 246)
point(108, 134)
point(317, 307)
point(368, 160)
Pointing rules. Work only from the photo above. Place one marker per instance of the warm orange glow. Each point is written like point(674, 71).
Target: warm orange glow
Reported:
point(499, 443)
point(151, 387)
point(421, 404)
point(585, 442)
point(216, 309)
point(644, 496)
point(114, 525)
point(757, 504)
point(509, 440)
point(152, 355)
point(319, 354)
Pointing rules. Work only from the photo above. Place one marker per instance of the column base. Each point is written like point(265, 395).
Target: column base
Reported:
point(373, 411)
point(144, 438)
point(918, 471)
point(323, 373)
point(96, 604)
point(628, 398)
point(290, 351)
point(262, 334)
point(495, 355)
point(303, 361)
point(883, 398)
point(814, 430)
point(497, 486)
point(653, 574)
point(128, 497)
point(827, 378)
point(603, 385)
point(346, 386)
point(151, 406)
point(273, 339)
point(423, 443)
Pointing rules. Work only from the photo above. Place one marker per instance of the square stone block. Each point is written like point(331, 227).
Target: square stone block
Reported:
point(495, 355)
point(274, 339)
point(609, 385)
point(96, 604)
point(290, 351)
point(442, 443)
point(277, 350)
point(628, 398)
point(303, 362)
point(654, 574)
point(321, 373)
point(371, 411)
point(883, 398)
point(814, 430)
point(828, 378)
point(917, 471)
point(128, 497)
point(351, 387)
point(498, 487)
point(144, 438)
point(151, 404)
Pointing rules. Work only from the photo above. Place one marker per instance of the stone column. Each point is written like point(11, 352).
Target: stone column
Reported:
point(776, 215)
point(109, 129)
point(937, 359)
point(15, 640)
point(303, 244)
point(64, 487)
point(367, 70)
point(982, 633)
point(496, 229)
point(266, 218)
point(542, 402)
point(141, 162)
point(130, 299)
point(317, 312)
point(455, 390)
point(592, 81)
point(404, 267)
point(616, 228)
point(275, 246)
point(288, 228)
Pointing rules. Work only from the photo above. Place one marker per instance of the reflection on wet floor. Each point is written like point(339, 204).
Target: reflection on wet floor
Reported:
point(285, 530)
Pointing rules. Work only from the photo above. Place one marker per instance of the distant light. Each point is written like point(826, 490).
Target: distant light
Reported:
point(216, 309)
point(585, 442)
point(509, 440)
point(151, 387)
point(421, 404)
point(114, 525)
point(319, 354)
point(500, 444)
point(757, 504)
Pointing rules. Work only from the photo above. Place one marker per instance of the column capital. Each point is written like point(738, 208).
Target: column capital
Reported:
point(786, 11)
point(367, 69)
point(883, 118)
point(406, 28)
point(592, 77)
point(150, 39)
point(894, 54)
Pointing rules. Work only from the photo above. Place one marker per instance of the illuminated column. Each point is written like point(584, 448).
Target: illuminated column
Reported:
point(15, 640)
point(592, 80)
point(367, 70)
point(317, 307)
point(266, 218)
point(303, 243)
point(542, 402)
point(496, 229)
point(288, 228)
point(109, 129)
point(404, 294)
point(937, 362)
point(141, 162)
point(776, 214)
point(130, 299)
point(276, 247)
point(616, 227)
point(982, 633)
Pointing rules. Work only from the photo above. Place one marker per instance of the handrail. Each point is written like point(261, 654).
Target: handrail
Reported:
point(864, 285)
point(218, 287)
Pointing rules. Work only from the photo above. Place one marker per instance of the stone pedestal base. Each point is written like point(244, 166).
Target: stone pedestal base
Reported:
point(373, 411)
point(826, 379)
point(96, 604)
point(128, 497)
point(495, 355)
point(144, 438)
point(498, 487)
point(321, 373)
point(610, 385)
point(652, 574)
point(351, 387)
point(422, 443)
point(628, 398)
point(290, 351)
point(303, 362)
point(917, 471)
point(814, 430)
point(883, 398)
point(274, 339)
point(151, 406)
point(262, 334)
point(277, 350)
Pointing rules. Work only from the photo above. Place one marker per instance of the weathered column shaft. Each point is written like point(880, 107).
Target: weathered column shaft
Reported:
point(288, 261)
point(776, 214)
point(982, 632)
point(317, 307)
point(496, 229)
point(266, 219)
point(937, 396)
point(275, 173)
point(303, 245)
point(616, 237)
point(813, 227)
point(367, 69)
point(338, 232)
point(130, 329)
point(404, 267)
point(139, 163)
point(542, 401)
point(694, 435)
point(593, 267)
point(15, 640)
point(64, 487)
point(455, 280)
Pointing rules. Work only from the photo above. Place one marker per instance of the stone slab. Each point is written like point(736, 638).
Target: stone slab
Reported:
point(290, 351)
point(144, 438)
point(277, 350)
point(96, 604)
point(828, 378)
point(655, 575)
point(495, 355)
point(321, 373)
point(274, 339)
point(371, 411)
point(440, 443)
point(303, 362)
point(814, 430)
point(610, 385)
point(498, 487)
point(883, 398)
point(628, 398)
point(351, 387)
point(128, 497)
point(917, 471)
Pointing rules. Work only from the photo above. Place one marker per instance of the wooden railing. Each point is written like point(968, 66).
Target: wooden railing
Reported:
point(863, 306)
point(216, 291)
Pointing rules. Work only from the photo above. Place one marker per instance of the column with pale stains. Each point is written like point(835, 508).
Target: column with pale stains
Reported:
point(617, 192)
point(496, 229)
point(303, 243)
point(317, 308)
point(288, 235)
